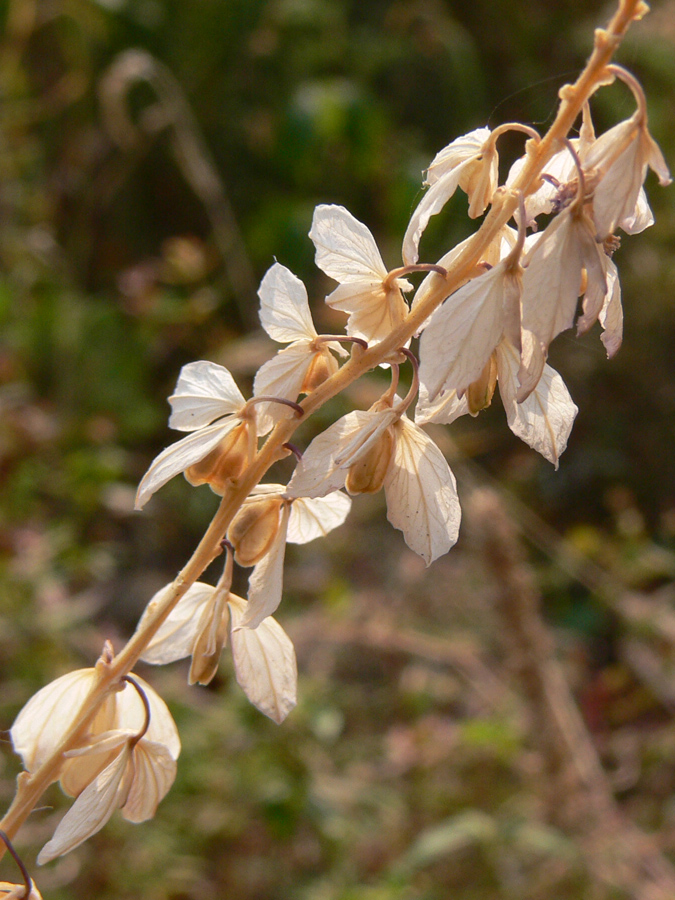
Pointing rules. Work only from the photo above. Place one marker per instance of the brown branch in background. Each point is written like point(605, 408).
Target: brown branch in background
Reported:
point(576, 788)
point(172, 111)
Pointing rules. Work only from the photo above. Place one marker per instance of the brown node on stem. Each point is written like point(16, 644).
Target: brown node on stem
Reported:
point(253, 529)
point(224, 463)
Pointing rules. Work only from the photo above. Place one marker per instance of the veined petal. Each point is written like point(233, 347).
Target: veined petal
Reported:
point(373, 310)
point(180, 456)
point(432, 202)
point(611, 314)
point(264, 663)
point(176, 635)
point(318, 472)
point(131, 714)
point(640, 218)
point(92, 809)
point(205, 391)
point(265, 583)
point(313, 518)
point(154, 771)
point(443, 410)
point(544, 420)
point(44, 720)
point(284, 309)
point(464, 331)
point(345, 248)
point(466, 146)
point(421, 493)
point(281, 376)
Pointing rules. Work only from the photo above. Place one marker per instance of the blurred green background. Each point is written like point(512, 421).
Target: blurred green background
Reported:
point(155, 157)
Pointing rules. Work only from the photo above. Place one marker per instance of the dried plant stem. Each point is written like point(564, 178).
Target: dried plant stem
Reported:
point(32, 785)
point(577, 790)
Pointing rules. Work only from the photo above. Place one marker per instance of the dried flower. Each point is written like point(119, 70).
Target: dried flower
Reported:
point(199, 626)
point(347, 252)
point(209, 404)
point(381, 447)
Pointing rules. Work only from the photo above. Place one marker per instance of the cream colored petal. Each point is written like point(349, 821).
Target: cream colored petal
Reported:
point(11, 891)
point(264, 663)
point(311, 519)
point(373, 311)
point(44, 720)
point(421, 493)
point(443, 410)
point(345, 248)
point(466, 146)
point(430, 205)
point(176, 635)
point(641, 217)
point(205, 392)
point(611, 315)
point(320, 470)
point(463, 332)
point(180, 456)
point(92, 809)
point(265, 583)
point(131, 714)
point(154, 771)
point(544, 420)
point(284, 309)
point(282, 376)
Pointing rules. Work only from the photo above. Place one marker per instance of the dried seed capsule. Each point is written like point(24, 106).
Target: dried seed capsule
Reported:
point(224, 463)
point(322, 366)
point(253, 529)
point(366, 475)
point(479, 394)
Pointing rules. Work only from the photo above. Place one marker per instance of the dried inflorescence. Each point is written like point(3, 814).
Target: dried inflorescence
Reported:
point(486, 314)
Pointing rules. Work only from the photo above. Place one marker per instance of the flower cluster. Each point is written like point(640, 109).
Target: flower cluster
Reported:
point(491, 324)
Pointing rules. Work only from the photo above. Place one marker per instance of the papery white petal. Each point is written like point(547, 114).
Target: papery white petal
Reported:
point(464, 147)
point(131, 714)
point(641, 217)
point(175, 637)
point(320, 470)
point(430, 205)
point(421, 493)
point(265, 583)
point(284, 310)
point(154, 771)
point(313, 518)
point(106, 742)
point(443, 410)
point(264, 663)
point(373, 311)
point(282, 376)
point(205, 391)
point(180, 456)
point(551, 287)
point(11, 891)
point(611, 315)
point(463, 332)
point(544, 420)
point(92, 809)
point(345, 248)
point(44, 720)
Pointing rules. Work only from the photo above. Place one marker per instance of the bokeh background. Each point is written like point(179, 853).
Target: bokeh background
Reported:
point(156, 156)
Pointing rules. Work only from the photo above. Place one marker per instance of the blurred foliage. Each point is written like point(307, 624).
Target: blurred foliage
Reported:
point(396, 778)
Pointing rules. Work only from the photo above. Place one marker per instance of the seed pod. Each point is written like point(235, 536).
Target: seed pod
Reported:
point(322, 366)
point(479, 394)
point(208, 647)
point(224, 463)
point(253, 529)
point(366, 475)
